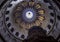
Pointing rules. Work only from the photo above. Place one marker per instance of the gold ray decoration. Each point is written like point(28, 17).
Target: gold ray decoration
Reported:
point(24, 4)
point(37, 23)
point(38, 6)
point(41, 11)
point(19, 8)
point(31, 3)
point(41, 18)
point(16, 15)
